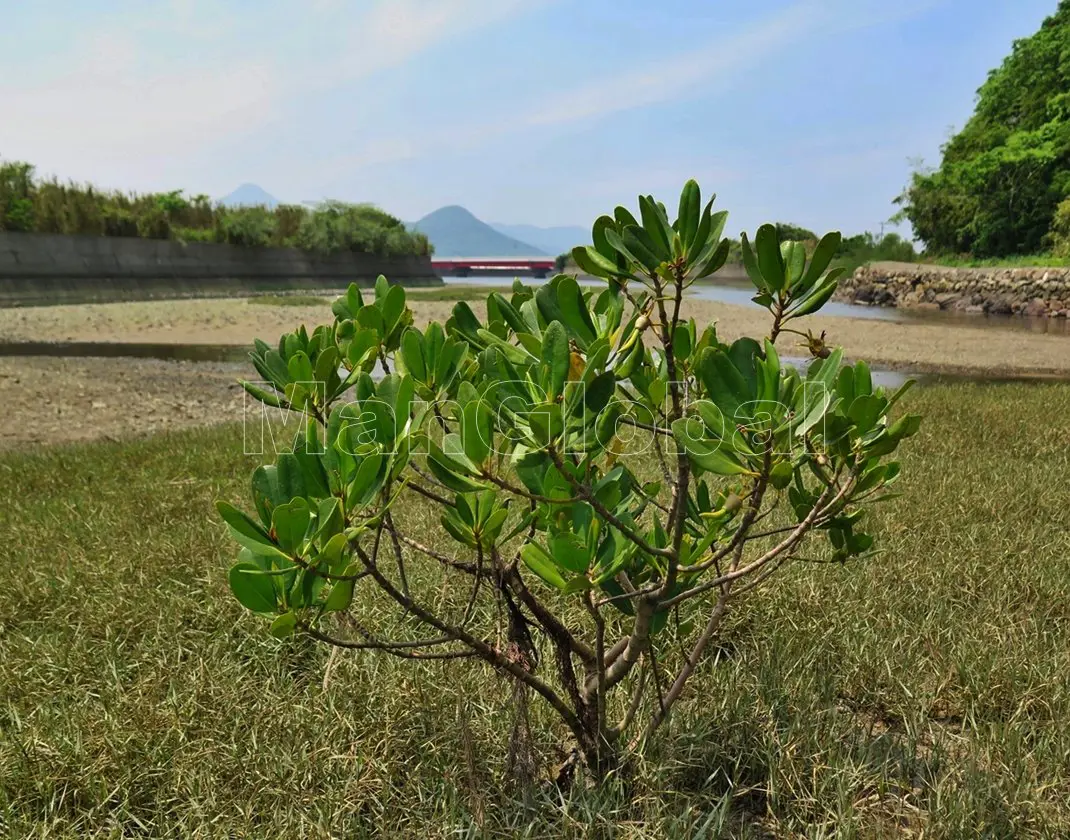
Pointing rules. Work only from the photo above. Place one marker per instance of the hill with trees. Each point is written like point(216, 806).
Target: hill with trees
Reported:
point(1002, 179)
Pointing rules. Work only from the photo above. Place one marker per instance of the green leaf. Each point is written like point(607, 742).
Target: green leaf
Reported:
point(290, 523)
point(794, 256)
point(368, 480)
point(598, 392)
point(845, 385)
point(598, 237)
point(392, 307)
point(555, 359)
point(712, 264)
point(329, 519)
point(574, 311)
point(412, 354)
point(722, 428)
point(290, 476)
point(347, 306)
point(466, 323)
point(865, 410)
point(825, 371)
point(476, 430)
point(905, 427)
point(247, 532)
point(771, 264)
point(300, 368)
point(637, 242)
point(340, 598)
point(750, 263)
point(656, 229)
point(509, 313)
point(701, 239)
point(283, 626)
point(266, 492)
point(449, 473)
point(710, 455)
point(781, 474)
point(690, 211)
point(590, 261)
point(725, 385)
point(568, 551)
point(819, 297)
point(824, 252)
point(272, 398)
point(546, 421)
point(681, 342)
point(769, 374)
point(536, 559)
point(863, 378)
point(254, 590)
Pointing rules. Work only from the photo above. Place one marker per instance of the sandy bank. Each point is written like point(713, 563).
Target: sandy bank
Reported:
point(925, 347)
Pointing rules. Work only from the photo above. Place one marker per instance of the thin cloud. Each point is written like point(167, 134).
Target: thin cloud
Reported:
point(674, 78)
point(393, 32)
point(113, 102)
point(715, 63)
point(707, 66)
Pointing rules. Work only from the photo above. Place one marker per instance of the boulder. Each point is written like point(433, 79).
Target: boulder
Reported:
point(1036, 308)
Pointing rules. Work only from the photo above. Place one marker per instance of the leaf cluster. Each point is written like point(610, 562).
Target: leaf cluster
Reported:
point(527, 428)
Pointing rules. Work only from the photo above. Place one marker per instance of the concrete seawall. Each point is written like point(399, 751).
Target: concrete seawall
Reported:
point(37, 268)
point(1035, 292)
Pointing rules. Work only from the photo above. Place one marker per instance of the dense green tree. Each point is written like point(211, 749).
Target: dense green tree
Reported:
point(787, 231)
point(1004, 174)
point(31, 204)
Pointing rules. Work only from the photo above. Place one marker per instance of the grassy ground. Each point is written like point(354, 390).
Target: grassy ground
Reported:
point(455, 293)
point(438, 293)
point(290, 300)
point(926, 691)
point(1026, 261)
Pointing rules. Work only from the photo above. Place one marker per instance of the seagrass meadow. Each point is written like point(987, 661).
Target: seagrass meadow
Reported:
point(922, 692)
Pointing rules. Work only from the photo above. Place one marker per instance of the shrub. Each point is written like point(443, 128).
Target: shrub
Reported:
point(16, 206)
point(54, 207)
point(1059, 238)
point(250, 227)
point(565, 566)
point(154, 224)
point(288, 218)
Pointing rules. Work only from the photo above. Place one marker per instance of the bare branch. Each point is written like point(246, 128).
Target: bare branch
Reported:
point(483, 650)
point(786, 545)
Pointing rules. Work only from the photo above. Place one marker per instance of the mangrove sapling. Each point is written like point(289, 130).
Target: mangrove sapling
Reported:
point(522, 429)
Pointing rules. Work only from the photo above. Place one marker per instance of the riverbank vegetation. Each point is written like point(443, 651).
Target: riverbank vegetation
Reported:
point(1003, 186)
point(926, 691)
point(47, 205)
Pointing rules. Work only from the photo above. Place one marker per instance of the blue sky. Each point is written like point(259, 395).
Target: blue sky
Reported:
point(539, 111)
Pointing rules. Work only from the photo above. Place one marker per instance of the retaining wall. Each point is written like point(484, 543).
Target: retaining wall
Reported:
point(1035, 292)
point(37, 268)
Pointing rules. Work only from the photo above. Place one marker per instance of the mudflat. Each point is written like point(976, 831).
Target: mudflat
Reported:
point(51, 400)
point(924, 347)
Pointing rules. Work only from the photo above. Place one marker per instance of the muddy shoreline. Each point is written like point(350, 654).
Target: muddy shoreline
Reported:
point(55, 400)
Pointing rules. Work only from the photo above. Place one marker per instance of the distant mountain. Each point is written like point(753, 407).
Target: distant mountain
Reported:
point(457, 233)
point(249, 195)
point(553, 240)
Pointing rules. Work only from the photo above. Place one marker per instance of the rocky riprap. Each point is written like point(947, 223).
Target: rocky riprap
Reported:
point(1034, 292)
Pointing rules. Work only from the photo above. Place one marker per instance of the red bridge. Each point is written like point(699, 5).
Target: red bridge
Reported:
point(464, 266)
